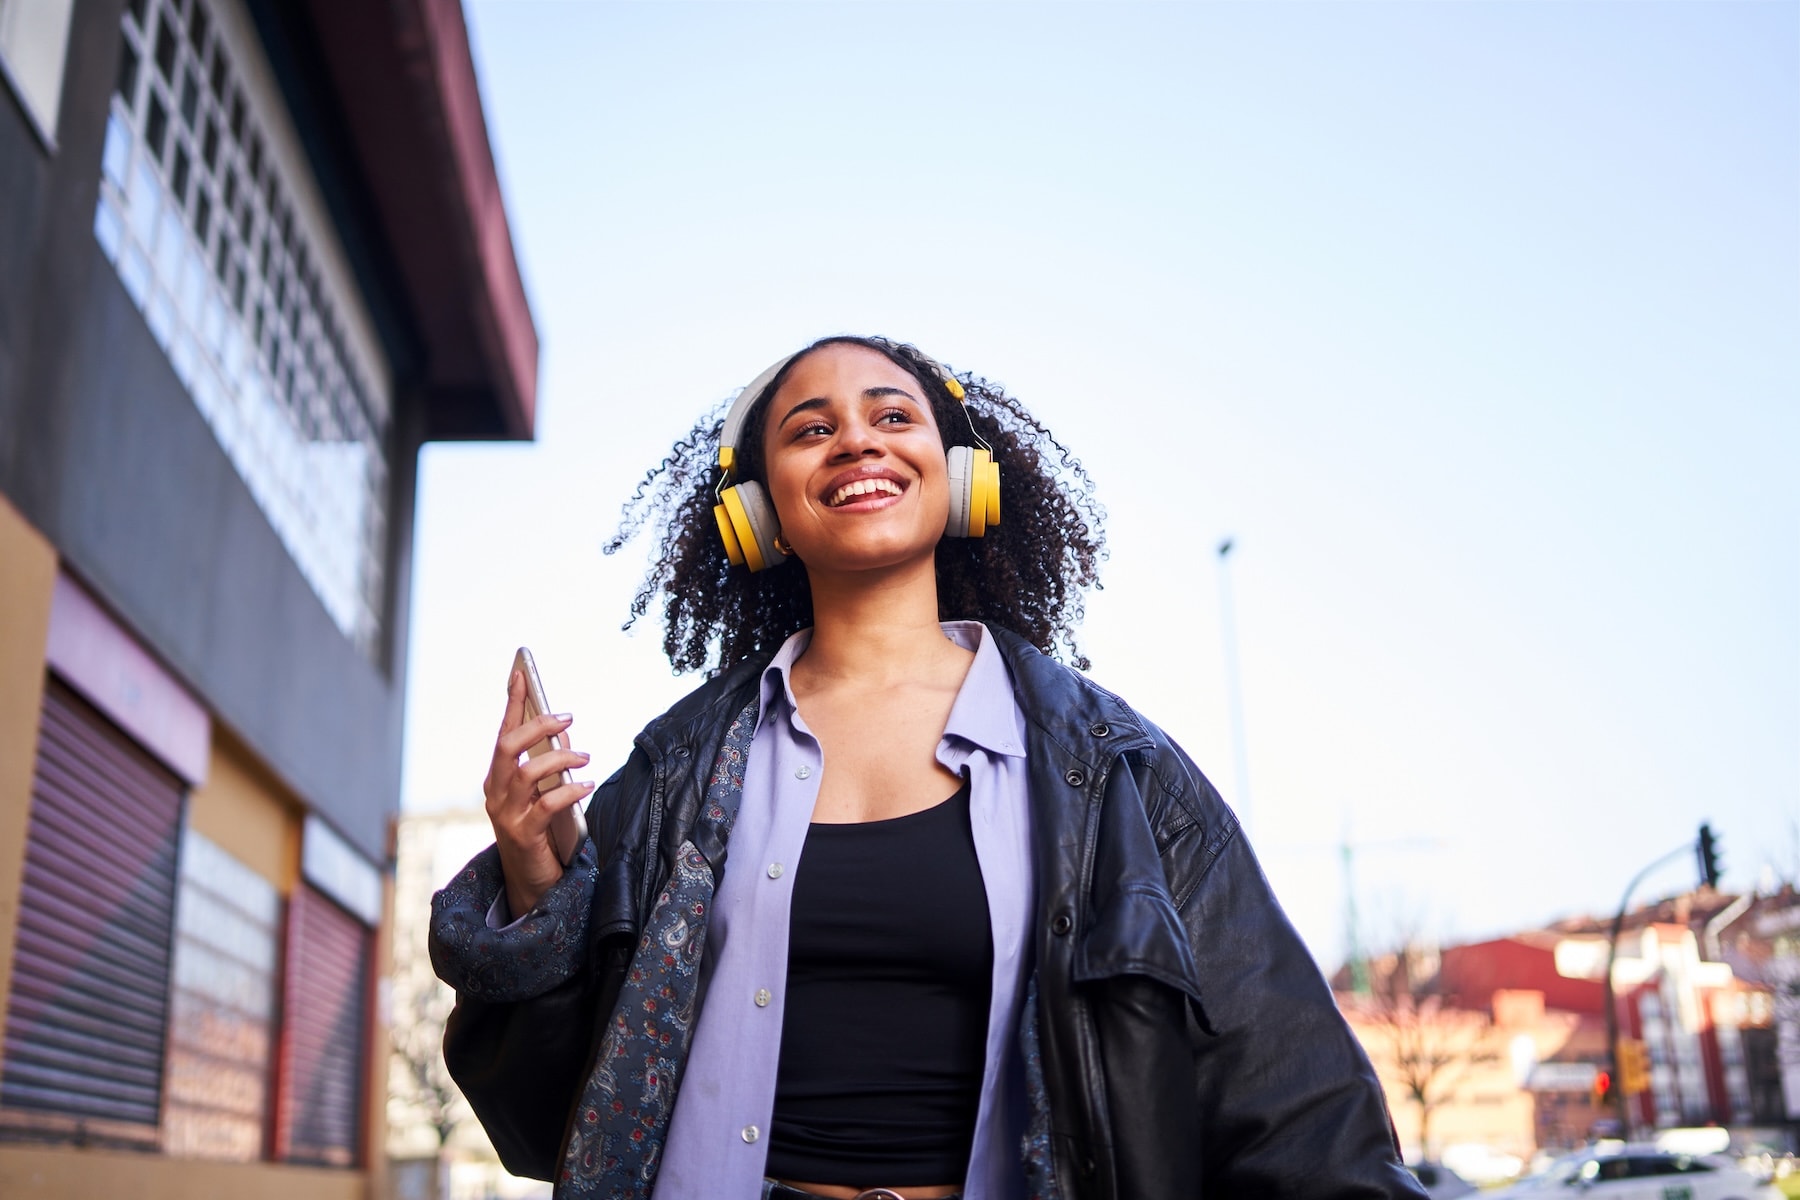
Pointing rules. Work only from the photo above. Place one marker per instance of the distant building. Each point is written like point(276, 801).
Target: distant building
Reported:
point(1684, 1001)
point(1460, 1072)
point(1707, 987)
point(252, 257)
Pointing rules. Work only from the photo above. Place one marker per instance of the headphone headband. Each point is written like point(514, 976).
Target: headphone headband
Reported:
point(740, 412)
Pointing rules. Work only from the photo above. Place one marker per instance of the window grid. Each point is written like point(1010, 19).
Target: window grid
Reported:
point(221, 1007)
point(195, 215)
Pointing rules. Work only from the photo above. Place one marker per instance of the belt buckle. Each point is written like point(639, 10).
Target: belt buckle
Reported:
point(878, 1194)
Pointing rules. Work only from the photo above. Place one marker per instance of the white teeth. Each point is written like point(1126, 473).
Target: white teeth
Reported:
point(863, 487)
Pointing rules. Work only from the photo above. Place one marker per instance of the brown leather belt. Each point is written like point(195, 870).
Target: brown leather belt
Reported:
point(781, 1191)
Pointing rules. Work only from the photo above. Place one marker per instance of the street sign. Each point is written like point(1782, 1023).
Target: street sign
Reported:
point(1561, 1077)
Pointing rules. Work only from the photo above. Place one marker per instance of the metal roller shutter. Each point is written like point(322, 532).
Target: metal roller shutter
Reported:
point(325, 1002)
point(85, 1021)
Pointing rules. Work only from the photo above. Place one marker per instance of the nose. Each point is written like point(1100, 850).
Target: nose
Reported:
point(854, 440)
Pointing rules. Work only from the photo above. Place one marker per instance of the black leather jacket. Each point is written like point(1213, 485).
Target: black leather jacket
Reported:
point(1190, 1047)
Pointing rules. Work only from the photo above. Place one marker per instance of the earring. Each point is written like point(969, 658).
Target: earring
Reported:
point(782, 546)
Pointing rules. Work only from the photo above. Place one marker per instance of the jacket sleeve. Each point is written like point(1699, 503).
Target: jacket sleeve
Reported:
point(1282, 1099)
point(516, 1040)
point(530, 995)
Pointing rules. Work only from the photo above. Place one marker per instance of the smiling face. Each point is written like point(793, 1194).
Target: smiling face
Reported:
point(854, 463)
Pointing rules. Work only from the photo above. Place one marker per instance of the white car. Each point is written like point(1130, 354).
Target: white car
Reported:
point(1640, 1173)
point(1440, 1182)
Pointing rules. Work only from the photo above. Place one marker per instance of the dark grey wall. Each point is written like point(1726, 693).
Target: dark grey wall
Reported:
point(102, 449)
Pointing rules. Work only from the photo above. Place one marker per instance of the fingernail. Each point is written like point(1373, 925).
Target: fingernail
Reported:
point(584, 755)
point(565, 716)
point(588, 784)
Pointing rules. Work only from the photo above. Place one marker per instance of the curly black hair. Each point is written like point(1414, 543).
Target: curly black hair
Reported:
point(1027, 574)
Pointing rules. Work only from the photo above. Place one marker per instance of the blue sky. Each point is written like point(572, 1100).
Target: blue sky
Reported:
point(1474, 324)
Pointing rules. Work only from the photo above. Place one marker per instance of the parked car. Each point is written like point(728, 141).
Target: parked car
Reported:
point(1441, 1183)
point(1634, 1172)
point(1482, 1165)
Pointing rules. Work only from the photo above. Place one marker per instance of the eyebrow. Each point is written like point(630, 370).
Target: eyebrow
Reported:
point(874, 393)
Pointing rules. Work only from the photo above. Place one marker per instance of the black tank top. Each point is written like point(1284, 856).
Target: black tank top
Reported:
point(884, 1031)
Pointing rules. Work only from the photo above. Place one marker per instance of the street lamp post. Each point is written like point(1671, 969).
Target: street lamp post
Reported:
point(1234, 689)
point(1612, 955)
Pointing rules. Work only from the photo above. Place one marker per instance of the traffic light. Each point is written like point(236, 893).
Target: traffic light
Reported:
point(1634, 1066)
point(1707, 850)
point(1602, 1089)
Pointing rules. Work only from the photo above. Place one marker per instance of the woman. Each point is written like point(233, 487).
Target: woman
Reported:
point(1026, 950)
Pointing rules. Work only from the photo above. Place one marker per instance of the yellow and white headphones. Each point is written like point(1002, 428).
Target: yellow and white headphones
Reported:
point(747, 522)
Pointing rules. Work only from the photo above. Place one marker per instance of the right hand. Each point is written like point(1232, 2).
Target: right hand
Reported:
point(521, 817)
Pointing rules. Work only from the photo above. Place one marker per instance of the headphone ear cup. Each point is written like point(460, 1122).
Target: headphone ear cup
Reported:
point(978, 490)
point(959, 462)
point(993, 494)
point(752, 519)
point(734, 549)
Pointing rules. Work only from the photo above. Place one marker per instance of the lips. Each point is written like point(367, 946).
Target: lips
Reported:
point(868, 485)
point(862, 487)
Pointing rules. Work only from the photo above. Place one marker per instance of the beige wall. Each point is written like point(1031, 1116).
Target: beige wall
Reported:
point(1483, 1098)
point(27, 579)
point(247, 813)
point(64, 1174)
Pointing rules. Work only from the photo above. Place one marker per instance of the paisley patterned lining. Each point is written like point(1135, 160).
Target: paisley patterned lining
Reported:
point(623, 1117)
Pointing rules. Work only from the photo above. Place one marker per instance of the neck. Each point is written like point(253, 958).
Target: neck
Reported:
point(876, 628)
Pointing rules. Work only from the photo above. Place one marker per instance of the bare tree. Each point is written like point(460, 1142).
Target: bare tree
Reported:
point(1423, 1044)
point(420, 1091)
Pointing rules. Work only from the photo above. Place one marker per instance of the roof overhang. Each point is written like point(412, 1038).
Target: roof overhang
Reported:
point(404, 85)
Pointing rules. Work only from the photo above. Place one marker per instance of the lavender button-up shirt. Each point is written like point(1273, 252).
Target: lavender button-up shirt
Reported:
point(717, 1142)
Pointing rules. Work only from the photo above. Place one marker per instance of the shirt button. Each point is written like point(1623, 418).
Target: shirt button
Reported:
point(751, 1133)
point(762, 997)
point(774, 870)
point(804, 772)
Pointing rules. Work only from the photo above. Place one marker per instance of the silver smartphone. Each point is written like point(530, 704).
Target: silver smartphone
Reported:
point(568, 829)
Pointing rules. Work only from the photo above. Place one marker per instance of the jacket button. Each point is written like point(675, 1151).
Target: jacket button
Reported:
point(1100, 729)
point(681, 752)
point(1075, 777)
point(1061, 924)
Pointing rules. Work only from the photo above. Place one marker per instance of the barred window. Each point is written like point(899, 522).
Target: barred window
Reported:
point(211, 216)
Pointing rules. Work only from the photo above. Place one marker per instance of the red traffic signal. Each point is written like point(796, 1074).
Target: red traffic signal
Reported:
point(1602, 1087)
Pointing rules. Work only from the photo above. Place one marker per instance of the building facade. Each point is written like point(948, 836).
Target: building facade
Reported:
point(1502, 1044)
point(252, 257)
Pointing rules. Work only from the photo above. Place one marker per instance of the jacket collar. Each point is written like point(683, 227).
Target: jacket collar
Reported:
point(1076, 713)
point(698, 718)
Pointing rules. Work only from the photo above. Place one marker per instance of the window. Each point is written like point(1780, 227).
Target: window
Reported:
point(34, 41)
point(221, 1007)
point(209, 212)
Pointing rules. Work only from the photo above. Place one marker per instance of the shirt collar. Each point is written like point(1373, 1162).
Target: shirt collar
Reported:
point(985, 714)
point(775, 682)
